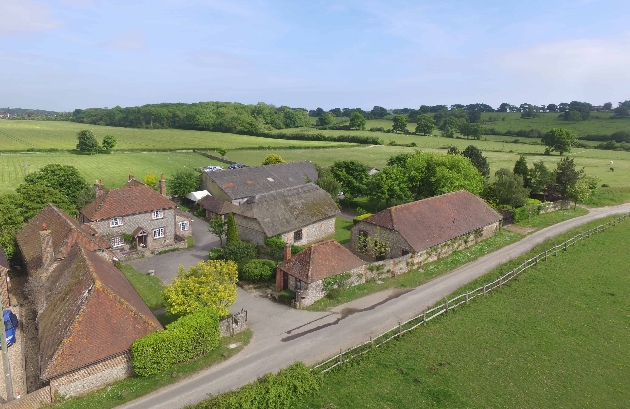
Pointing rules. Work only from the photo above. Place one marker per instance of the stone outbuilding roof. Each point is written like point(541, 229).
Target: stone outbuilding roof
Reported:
point(217, 206)
point(252, 181)
point(65, 231)
point(321, 260)
point(288, 209)
point(426, 223)
point(133, 198)
point(91, 312)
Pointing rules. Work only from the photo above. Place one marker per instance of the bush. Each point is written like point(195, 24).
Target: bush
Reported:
point(275, 247)
point(286, 296)
point(296, 249)
point(361, 217)
point(531, 201)
point(282, 391)
point(258, 270)
point(240, 252)
point(191, 336)
point(524, 212)
point(216, 253)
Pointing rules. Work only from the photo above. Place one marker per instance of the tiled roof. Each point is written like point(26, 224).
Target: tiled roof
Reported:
point(251, 181)
point(321, 260)
point(92, 312)
point(432, 221)
point(3, 259)
point(289, 209)
point(133, 198)
point(64, 231)
point(215, 205)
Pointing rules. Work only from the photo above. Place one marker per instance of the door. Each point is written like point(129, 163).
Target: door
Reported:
point(285, 280)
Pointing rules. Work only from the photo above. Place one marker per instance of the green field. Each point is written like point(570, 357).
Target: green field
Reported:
point(556, 337)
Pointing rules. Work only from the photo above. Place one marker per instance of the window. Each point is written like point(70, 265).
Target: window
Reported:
point(158, 214)
point(404, 252)
point(184, 226)
point(115, 221)
point(158, 233)
point(299, 285)
point(297, 235)
point(118, 241)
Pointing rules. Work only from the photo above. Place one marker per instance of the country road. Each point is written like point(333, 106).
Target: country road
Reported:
point(283, 336)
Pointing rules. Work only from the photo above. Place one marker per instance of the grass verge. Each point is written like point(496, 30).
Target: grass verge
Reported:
point(342, 230)
point(148, 287)
point(609, 196)
point(540, 221)
point(131, 388)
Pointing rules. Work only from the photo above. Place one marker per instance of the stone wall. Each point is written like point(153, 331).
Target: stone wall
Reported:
point(4, 290)
point(312, 232)
point(233, 324)
point(396, 242)
point(93, 376)
point(34, 400)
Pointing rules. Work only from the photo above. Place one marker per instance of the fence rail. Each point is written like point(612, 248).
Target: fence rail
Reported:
point(462, 299)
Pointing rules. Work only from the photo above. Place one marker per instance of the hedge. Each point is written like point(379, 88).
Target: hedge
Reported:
point(357, 219)
point(189, 337)
point(258, 270)
point(282, 391)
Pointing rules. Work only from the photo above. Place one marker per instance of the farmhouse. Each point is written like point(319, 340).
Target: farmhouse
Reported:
point(136, 210)
point(237, 185)
point(305, 273)
point(424, 224)
point(300, 215)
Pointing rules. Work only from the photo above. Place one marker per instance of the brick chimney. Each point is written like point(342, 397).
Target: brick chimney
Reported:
point(45, 237)
point(163, 186)
point(99, 189)
point(287, 252)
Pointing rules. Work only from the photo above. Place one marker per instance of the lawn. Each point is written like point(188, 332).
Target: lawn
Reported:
point(148, 287)
point(342, 230)
point(540, 221)
point(556, 337)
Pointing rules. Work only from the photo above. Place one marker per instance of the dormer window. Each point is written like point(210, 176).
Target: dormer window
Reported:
point(115, 221)
point(158, 214)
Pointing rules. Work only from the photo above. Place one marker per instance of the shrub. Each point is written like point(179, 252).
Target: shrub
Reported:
point(524, 212)
point(240, 252)
point(258, 270)
point(296, 249)
point(275, 247)
point(286, 296)
point(361, 217)
point(216, 253)
point(531, 201)
point(189, 337)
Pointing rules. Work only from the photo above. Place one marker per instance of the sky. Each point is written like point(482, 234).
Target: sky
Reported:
point(67, 54)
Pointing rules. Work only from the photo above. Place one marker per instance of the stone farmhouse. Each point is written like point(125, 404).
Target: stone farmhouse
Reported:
point(88, 314)
point(137, 210)
point(424, 224)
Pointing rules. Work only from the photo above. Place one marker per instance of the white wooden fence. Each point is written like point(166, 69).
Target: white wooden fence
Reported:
point(462, 299)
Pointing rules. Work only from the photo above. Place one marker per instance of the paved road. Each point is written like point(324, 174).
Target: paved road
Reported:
point(283, 336)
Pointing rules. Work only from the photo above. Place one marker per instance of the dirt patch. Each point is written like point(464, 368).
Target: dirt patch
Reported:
point(520, 229)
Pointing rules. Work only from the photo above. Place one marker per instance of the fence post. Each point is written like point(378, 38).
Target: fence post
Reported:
point(341, 356)
point(466, 297)
point(484, 289)
point(446, 305)
point(371, 342)
point(500, 281)
point(545, 254)
point(555, 250)
point(399, 330)
point(424, 318)
point(565, 246)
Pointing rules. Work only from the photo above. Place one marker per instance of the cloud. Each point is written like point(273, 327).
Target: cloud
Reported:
point(18, 17)
point(132, 41)
point(217, 59)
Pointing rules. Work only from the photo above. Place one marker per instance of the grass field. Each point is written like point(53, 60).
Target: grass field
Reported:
point(554, 338)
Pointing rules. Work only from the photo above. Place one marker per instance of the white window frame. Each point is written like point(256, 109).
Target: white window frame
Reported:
point(118, 241)
point(116, 221)
point(186, 224)
point(158, 233)
point(157, 214)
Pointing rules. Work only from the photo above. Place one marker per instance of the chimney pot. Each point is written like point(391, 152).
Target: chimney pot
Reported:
point(163, 186)
point(44, 226)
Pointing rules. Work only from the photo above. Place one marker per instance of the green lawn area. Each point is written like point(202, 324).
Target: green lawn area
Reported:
point(555, 337)
point(342, 230)
point(540, 221)
point(148, 287)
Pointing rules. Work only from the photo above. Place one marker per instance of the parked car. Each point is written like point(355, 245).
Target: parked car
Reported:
point(10, 326)
point(212, 168)
point(235, 166)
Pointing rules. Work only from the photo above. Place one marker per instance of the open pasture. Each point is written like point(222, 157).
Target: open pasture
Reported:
point(23, 135)
point(556, 337)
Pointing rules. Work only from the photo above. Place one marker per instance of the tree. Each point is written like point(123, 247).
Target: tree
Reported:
point(378, 112)
point(471, 130)
point(540, 177)
point(425, 124)
point(399, 123)
point(357, 121)
point(508, 188)
point(327, 181)
point(573, 116)
point(210, 284)
point(552, 108)
point(66, 180)
point(453, 150)
point(566, 176)
point(34, 197)
point(504, 107)
point(474, 116)
point(151, 180)
point(11, 221)
point(389, 186)
point(623, 110)
point(87, 142)
point(222, 151)
point(218, 227)
point(520, 168)
point(399, 160)
point(478, 160)
point(108, 143)
point(607, 106)
point(353, 176)
point(325, 119)
point(231, 235)
point(183, 181)
point(273, 159)
point(449, 127)
point(582, 189)
point(559, 139)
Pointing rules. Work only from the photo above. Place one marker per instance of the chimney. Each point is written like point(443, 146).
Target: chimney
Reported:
point(287, 252)
point(163, 186)
point(99, 189)
point(130, 178)
point(48, 253)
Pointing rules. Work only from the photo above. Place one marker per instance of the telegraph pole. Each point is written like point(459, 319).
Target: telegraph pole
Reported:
point(5, 358)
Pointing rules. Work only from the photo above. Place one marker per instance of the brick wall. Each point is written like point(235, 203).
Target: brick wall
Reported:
point(93, 376)
point(33, 400)
point(4, 290)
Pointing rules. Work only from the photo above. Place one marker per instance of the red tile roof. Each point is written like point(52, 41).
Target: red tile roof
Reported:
point(133, 198)
point(321, 260)
point(92, 312)
point(435, 220)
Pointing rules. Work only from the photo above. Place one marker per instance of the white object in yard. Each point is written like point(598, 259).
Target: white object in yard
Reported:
point(198, 195)
point(151, 272)
point(232, 346)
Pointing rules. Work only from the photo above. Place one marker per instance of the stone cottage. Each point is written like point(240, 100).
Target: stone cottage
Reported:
point(306, 271)
point(425, 224)
point(135, 209)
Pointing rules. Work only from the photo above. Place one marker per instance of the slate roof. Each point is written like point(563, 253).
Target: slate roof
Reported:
point(288, 209)
point(215, 205)
point(133, 198)
point(92, 312)
point(321, 260)
point(3, 259)
point(426, 223)
point(252, 181)
point(64, 230)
